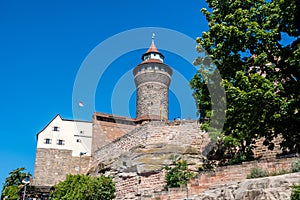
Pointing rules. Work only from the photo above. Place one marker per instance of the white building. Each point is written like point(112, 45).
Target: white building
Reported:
point(66, 134)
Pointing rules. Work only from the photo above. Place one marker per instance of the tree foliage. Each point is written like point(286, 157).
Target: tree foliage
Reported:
point(83, 187)
point(178, 175)
point(11, 192)
point(13, 183)
point(295, 192)
point(255, 46)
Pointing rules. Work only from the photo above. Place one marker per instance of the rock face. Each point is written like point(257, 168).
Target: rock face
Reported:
point(141, 171)
point(269, 188)
point(153, 158)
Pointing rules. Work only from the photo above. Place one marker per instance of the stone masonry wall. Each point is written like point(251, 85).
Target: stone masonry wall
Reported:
point(137, 186)
point(52, 166)
point(152, 99)
point(181, 133)
point(152, 185)
point(106, 132)
point(222, 176)
point(263, 151)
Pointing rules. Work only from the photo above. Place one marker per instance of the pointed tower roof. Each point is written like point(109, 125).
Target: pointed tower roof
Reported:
point(150, 54)
point(152, 48)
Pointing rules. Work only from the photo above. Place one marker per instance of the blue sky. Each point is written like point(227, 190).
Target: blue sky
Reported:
point(43, 45)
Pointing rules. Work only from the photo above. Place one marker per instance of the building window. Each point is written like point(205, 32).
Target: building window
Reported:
point(60, 142)
point(47, 141)
point(81, 132)
point(78, 140)
point(55, 128)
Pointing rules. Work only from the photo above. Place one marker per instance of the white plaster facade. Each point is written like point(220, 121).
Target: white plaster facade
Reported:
point(66, 134)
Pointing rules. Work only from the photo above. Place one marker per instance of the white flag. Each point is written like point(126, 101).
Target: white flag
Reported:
point(81, 104)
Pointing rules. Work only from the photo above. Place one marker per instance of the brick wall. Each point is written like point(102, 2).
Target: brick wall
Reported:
point(222, 175)
point(263, 151)
point(52, 166)
point(138, 186)
point(152, 186)
point(106, 132)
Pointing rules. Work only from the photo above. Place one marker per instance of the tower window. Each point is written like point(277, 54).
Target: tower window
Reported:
point(55, 128)
point(60, 142)
point(78, 140)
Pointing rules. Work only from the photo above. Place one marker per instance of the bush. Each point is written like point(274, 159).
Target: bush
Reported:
point(295, 192)
point(280, 172)
point(178, 175)
point(257, 173)
point(84, 187)
point(296, 166)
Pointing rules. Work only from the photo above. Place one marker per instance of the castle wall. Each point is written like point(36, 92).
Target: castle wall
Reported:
point(221, 177)
point(150, 187)
point(104, 132)
point(52, 166)
point(262, 151)
point(132, 187)
point(181, 133)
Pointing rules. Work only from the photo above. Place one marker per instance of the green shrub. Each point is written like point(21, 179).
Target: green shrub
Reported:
point(296, 166)
point(84, 187)
point(280, 172)
point(178, 175)
point(257, 173)
point(295, 192)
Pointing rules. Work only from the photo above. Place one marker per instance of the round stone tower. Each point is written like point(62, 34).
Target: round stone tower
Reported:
point(152, 79)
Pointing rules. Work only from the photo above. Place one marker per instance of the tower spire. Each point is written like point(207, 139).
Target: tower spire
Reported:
point(153, 37)
point(152, 54)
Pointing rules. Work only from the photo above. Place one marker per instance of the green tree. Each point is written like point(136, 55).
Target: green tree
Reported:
point(259, 70)
point(11, 193)
point(178, 175)
point(83, 187)
point(13, 183)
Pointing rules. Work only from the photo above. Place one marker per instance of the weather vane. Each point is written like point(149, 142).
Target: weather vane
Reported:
point(153, 36)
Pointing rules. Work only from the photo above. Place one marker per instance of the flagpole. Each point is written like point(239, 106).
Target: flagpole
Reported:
point(78, 114)
point(80, 104)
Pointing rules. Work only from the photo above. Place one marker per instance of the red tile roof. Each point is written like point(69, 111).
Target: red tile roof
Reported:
point(152, 48)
